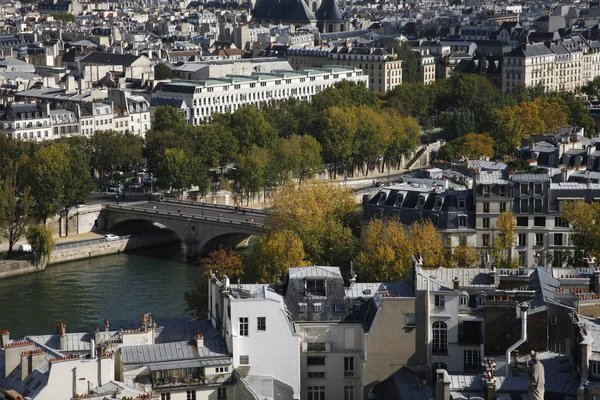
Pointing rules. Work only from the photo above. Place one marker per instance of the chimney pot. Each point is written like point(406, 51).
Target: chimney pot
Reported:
point(456, 283)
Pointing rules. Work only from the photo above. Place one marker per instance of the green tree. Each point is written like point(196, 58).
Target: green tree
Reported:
point(180, 170)
point(411, 100)
point(46, 173)
point(162, 71)
point(168, 118)
point(340, 135)
point(158, 141)
point(309, 155)
point(64, 17)
point(250, 127)
point(107, 152)
point(344, 94)
point(579, 114)
point(410, 64)
point(15, 206)
point(250, 171)
point(592, 88)
point(77, 180)
point(40, 237)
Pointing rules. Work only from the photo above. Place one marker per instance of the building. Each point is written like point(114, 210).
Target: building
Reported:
point(198, 100)
point(384, 69)
point(95, 65)
point(27, 121)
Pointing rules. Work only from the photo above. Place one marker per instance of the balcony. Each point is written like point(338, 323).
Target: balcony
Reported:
point(182, 383)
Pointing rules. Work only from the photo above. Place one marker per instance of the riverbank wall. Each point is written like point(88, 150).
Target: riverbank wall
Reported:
point(102, 247)
point(10, 268)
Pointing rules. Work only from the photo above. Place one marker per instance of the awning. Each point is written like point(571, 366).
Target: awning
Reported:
point(206, 362)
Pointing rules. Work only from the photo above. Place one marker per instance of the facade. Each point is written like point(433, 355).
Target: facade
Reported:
point(200, 99)
point(27, 121)
point(564, 65)
point(383, 69)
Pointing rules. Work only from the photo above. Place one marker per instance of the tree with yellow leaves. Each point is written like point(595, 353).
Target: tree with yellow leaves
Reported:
point(464, 255)
point(584, 219)
point(276, 252)
point(224, 262)
point(427, 242)
point(322, 215)
point(503, 242)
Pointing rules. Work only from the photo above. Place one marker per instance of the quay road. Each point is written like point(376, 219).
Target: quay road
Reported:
point(199, 210)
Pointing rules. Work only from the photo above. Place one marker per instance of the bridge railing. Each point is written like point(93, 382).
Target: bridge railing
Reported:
point(190, 217)
point(67, 246)
point(213, 206)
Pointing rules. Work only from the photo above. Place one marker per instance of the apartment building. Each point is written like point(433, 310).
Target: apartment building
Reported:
point(564, 65)
point(384, 69)
point(426, 67)
point(27, 121)
point(198, 100)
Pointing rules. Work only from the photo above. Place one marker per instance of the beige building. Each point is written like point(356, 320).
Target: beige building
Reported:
point(566, 65)
point(383, 69)
point(426, 67)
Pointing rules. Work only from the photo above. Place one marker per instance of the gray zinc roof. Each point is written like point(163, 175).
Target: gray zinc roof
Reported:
point(164, 352)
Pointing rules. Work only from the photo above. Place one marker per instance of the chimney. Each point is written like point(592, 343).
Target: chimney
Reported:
point(92, 349)
point(226, 283)
point(106, 325)
point(25, 365)
point(62, 330)
point(199, 338)
point(12, 355)
point(37, 358)
point(456, 283)
point(442, 387)
point(597, 281)
point(490, 388)
point(4, 338)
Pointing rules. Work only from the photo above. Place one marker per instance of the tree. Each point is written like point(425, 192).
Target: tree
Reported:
point(64, 17)
point(584, 219)
point(592, 88)
point(410, 63)
point(503, 242)
point(168, 118)
point(339, 137)
point(15, 207)
point(579, 114)
point(472, 146)
point(427, 242)
point(319, 214)
point(158, 141)
point(277, 252)
point(181, 170)
point(107, 152)
point(162, 71)
point(411, 100)
point(386, 253)
point(404, 134)
point(250, 127)
point(224, 262)
point(46, 173)
point(41, 241)
point(77, 181)
point(250, 171)
point(507, 131)
point(344, 94)
point(464, 255)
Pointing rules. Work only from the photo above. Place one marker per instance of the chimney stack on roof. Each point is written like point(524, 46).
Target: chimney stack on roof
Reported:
point(4, 338)
point(456, 283)
point(199, 338)
point(106, 325)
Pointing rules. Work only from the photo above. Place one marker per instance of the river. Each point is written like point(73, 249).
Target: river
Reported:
point(82, 293)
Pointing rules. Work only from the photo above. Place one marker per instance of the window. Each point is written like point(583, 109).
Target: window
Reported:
point(502, 190)
point(464, 300)
point(561, 222)
point(486, 222)
point(596, 368)
point(481, 300)
point(316, 393)
point(244, 360)
point(315, 360)
point(315, 347)
point(553, 320)
point(438, 202)
point(537, 205)
point(538, 188)
point(524, 206)
point(317, 307)
point(522, 221)
point(221, 370)
point(462, 221)
point(244, 326)
point(165, 396)
point(539, 221)
point(522, 239)
point(302, 307)
point(539, 239)
point(440, 337)
point(409, 320)
point(461, 204)
point(421, 200)
point(486, 207)
point(191, 395)
point(261, 323)
point(524, 188)
point(485, 239)
point(315, 374)
point(348, 392)
point(471, 359)
point(486, 190)
point(339, 308)
point(502, 207)
point(221, 393)
point(439, 300)
point(348, 367)
point(558, 239)
point(315, 287)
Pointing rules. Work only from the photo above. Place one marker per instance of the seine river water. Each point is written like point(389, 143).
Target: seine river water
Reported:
point(82, 293)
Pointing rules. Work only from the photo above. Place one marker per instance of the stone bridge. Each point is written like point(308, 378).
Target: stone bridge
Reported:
point(201, 226)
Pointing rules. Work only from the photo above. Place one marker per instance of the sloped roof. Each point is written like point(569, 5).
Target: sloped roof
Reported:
point(329, 11)
point(98, 57)
point(302, 13)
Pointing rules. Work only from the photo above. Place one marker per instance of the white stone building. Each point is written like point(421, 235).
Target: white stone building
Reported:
point(27, 121)
point(205, 97)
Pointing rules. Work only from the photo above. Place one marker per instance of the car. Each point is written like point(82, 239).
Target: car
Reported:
point(111, 238)
point(113, 188)
point(25, 248)
point(134, 186)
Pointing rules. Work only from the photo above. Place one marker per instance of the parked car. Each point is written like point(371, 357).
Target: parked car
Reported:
point(110, 237)
point(25, 248)
point(113, 188)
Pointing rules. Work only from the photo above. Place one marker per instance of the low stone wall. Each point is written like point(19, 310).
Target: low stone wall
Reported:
point(102, 248)
point(10, 268)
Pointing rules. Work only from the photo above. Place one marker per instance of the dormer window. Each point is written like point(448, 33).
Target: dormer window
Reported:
point(399, 199)
point(486, 190)
point(464, 300)
point(421, 200)
point(438, 202)
point(461, 204)
point(462, 221)
point(481, 299)
point(315, 287)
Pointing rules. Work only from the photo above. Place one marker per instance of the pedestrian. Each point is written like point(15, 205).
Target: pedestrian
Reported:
point(252, 220)
point(220, 215)
point(155, 207)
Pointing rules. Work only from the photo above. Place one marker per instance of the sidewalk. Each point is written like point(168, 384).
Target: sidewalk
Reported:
point(70, 238)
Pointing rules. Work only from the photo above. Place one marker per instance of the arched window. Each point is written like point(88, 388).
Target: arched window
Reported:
point(440, 337)
point(439, 365)
point(314, 6)
point(481, 300)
